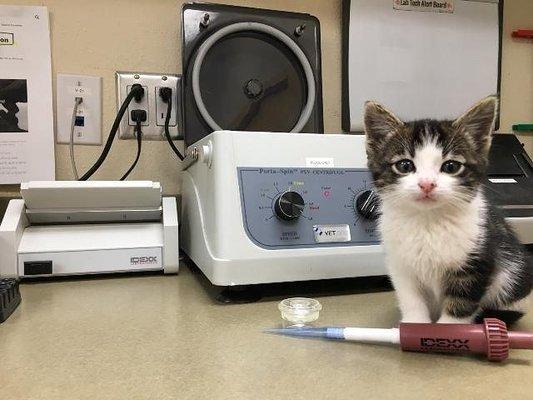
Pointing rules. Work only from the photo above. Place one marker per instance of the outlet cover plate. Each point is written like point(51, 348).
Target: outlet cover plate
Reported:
point(152, 128)
point(89, 111)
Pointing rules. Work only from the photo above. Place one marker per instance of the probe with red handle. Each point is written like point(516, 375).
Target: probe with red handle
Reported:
point(490, 338)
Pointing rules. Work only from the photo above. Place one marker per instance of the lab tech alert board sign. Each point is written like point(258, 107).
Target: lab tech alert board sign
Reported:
point(443, 6)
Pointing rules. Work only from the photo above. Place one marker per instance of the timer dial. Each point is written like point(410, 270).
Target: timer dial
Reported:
point(289, 206)
point(367, 205)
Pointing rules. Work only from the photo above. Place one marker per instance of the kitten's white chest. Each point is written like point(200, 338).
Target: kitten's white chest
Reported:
point(430, 242)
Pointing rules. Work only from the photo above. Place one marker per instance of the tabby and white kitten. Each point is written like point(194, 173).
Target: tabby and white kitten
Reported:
point(451, 256)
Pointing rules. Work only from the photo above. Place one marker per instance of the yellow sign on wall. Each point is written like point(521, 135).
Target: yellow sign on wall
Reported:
point(6, 39)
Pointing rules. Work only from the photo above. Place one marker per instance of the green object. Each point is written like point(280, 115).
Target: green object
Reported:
point(522, 127)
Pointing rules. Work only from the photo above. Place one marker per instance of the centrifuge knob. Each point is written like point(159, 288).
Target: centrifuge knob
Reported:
point(289, 206)
point(367, 205)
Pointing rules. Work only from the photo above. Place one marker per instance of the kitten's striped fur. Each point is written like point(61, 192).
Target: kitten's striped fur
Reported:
point(451, 255)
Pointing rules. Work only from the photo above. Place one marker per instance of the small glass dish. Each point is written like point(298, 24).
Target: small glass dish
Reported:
point(299, 311)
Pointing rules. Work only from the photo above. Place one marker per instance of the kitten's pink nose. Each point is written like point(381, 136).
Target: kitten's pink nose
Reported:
point(427, 186)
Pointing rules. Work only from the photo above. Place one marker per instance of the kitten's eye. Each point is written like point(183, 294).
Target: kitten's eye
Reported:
point(452, 167)
point(403, 167)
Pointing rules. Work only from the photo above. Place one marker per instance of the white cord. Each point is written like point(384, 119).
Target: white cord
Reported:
point(77, 102)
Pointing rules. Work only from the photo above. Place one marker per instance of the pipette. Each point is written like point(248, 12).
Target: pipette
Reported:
point(490, 338)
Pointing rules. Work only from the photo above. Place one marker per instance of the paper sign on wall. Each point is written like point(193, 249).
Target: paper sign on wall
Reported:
point(446, 6)
point(26, 116)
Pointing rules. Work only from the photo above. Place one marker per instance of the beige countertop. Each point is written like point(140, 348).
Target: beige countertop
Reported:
point(163, 337)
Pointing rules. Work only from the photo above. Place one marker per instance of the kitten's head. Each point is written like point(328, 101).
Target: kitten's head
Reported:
point(427, 164)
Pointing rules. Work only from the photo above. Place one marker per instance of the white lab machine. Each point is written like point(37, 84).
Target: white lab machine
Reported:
point(276, 207)
point(273, 207)
point(76, 228)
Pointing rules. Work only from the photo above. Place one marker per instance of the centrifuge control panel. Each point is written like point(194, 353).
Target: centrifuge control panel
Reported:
point(308, 207)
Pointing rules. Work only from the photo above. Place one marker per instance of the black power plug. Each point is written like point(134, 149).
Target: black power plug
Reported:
point(138, 92)
point(165, 93)
point(138, 116)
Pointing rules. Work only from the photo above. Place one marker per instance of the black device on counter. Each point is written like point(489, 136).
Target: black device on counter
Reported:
point(9, 297)
point(510, 176)
point(255, 69)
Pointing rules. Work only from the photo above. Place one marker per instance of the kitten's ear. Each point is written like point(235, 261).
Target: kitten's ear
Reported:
point(478, 122)
point(379, 122)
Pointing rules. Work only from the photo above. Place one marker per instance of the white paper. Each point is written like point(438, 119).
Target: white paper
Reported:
point(320, 162)
point(421, 64)
point(26, 115)
point(502, 180)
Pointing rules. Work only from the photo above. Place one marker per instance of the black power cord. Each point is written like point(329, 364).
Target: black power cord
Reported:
point(139, 116)
point(137, 93)
point(166, 95)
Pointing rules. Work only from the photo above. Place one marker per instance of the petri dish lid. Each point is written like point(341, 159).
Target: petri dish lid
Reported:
point(300, 310)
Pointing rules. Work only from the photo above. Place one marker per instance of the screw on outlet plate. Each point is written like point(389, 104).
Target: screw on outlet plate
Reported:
point(136, 76)
point(164, 78)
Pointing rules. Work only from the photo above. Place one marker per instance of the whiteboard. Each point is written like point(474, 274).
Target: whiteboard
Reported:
point(419, 64)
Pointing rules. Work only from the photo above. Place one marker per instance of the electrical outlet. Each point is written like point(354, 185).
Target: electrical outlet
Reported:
point(88, 120)
point(153, 127)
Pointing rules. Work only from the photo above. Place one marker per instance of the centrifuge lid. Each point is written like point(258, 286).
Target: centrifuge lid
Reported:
point(249, 79)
